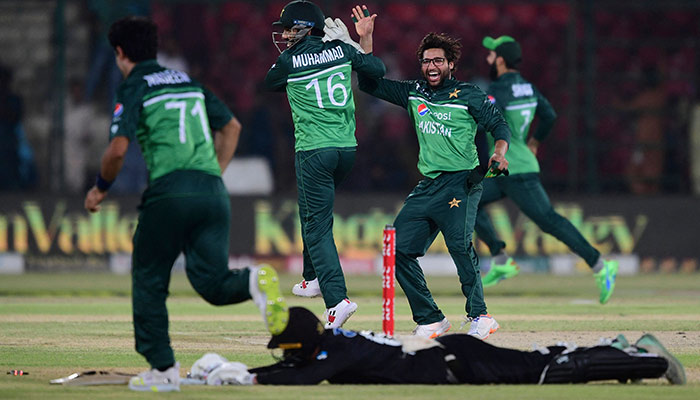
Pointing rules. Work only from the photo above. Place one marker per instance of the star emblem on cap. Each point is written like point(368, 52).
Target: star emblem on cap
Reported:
point(454, 93)
point(454, 202)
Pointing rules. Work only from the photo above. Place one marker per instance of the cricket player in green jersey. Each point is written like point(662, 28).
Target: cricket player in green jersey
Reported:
point(187, 137)
point(315, 71)
point(520, 101)
point(445, 113)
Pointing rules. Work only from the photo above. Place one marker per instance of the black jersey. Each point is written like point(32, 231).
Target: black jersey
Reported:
point(359, 357)
point(349, 357)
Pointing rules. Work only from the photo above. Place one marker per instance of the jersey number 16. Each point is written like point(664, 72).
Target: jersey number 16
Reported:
point(331, 90)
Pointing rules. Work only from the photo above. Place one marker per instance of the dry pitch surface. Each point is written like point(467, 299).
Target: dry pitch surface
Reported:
point(71, 325)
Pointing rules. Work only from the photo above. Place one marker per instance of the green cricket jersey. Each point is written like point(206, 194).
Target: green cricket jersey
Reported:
point(172, 116)
point(445, 119)
point(520, 101)
point(316, 75)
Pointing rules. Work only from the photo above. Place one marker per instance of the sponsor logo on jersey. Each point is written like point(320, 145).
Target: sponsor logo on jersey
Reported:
point(492, 99)
point(118, 110)
point(423, 109)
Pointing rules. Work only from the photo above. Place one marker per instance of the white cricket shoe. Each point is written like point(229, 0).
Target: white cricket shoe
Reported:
point(336, 316)
point(157, 381)
point(307, 288)
point(482, 326)
point(431, 331)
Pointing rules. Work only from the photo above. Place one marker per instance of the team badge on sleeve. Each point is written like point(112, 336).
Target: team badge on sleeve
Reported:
point(118, 110)
point(423, 109)
point(492, 99)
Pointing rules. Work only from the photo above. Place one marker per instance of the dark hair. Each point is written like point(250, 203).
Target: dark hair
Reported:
point(451, 46)
point(513, 65)
point(137, 36)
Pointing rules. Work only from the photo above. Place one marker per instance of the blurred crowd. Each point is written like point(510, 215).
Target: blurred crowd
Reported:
point(622, 78)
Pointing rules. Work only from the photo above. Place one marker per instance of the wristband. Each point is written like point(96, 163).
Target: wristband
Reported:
point(102, 184)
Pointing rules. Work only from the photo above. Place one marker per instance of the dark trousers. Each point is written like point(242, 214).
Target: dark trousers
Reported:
point(527, 193)
point(446, 205)
point(319, 172)
point(184, 211)
point(477, 362)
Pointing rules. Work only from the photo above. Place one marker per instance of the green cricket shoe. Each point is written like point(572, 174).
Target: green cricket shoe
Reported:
point(605, 279)
point(620, 342)
point(675, 372)
point(264, 288)
point(499, 272)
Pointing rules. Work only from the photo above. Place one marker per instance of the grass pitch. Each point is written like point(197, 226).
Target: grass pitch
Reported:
point(53, 325)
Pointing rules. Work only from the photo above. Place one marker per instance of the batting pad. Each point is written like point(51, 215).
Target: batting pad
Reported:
point(602, 363)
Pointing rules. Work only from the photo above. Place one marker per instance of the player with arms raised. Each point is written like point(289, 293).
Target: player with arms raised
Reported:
point(315, 72)
point(445, 113)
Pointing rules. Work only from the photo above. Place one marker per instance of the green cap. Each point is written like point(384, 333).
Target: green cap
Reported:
point(506, 47)
point(301, 12)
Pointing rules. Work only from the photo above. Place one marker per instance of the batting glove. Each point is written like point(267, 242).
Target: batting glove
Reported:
point(230, 373)
point(335, 29)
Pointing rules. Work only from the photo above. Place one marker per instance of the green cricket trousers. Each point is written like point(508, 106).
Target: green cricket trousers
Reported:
point(318, 173)
point(527, 193)
point(445, 204)
point(183, 211)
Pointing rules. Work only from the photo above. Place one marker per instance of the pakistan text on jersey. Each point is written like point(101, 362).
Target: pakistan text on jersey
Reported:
point(434, 128)
point(167, 77)
point(327, 55)
point(522, 89)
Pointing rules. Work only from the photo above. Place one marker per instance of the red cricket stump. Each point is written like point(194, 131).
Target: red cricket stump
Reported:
point(389, 255)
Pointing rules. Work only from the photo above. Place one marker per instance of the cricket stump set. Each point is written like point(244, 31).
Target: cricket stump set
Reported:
point(388, 285)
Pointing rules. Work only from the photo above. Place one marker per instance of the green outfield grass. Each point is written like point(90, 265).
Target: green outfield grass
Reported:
point(53, 325)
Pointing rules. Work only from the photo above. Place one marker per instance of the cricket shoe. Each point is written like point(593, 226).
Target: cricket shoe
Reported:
point(264, 288)
point(157, 381)
point(482, 326)
point(307, 288)
point(336, 316)
point(605, 279)
point(620, 342)
point(675, 372)
point(431, 331)
point(499, 272)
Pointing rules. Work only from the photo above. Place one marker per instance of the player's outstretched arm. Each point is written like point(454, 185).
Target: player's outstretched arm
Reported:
point(364, 26)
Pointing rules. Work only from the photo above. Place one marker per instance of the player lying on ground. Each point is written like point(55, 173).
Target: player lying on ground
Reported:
point(312, 354)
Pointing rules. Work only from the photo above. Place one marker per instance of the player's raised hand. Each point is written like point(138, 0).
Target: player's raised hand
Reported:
point(364, 22)
point(335, 29)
